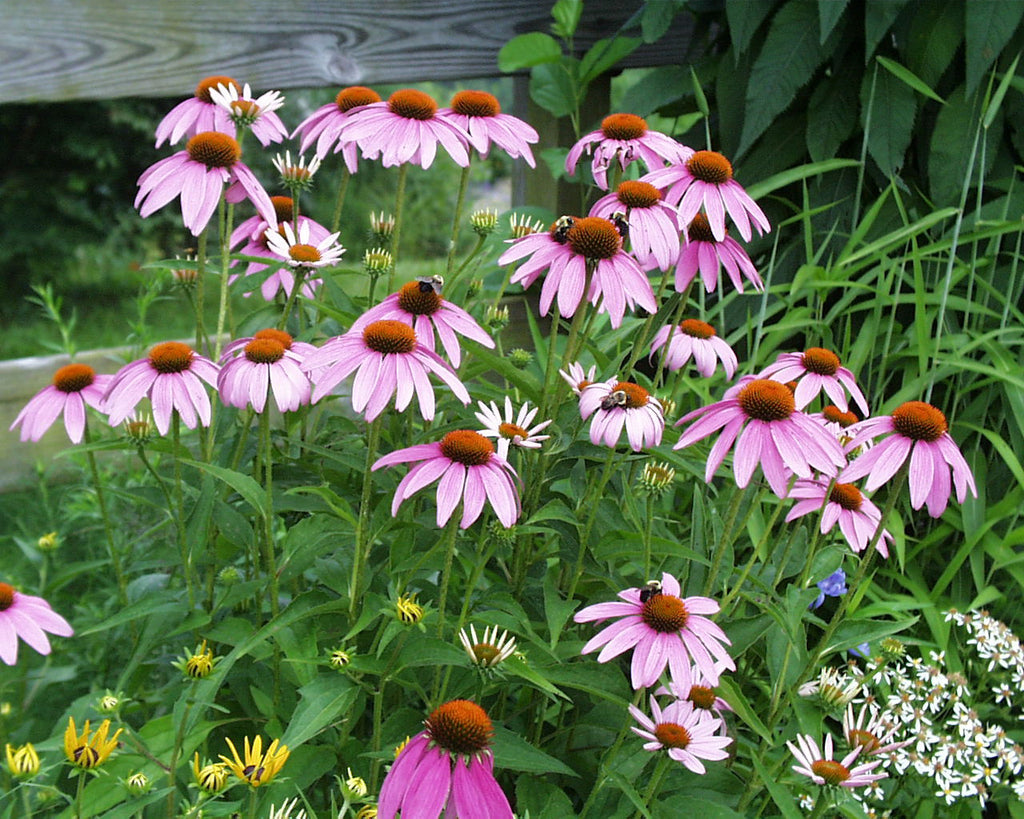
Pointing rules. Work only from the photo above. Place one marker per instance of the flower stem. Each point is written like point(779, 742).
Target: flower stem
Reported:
point(403, 172)
point(342, 189)
point(200, 303)
point(594, 498)
point(727, 536)
point(457, 219)
point(656, 779)
point(289, 305)
point(226, 218)
point(178, 510)
point(101, 499)
point(450, 535)
point(363, 525)
point(79, 791)
point(607, 758)
point(269, 557)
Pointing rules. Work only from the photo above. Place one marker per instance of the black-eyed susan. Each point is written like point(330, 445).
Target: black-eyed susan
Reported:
point(23, 761)
point(89, 750)
point(210, 777)
point(408, 610)
point(198, 664)
point(257, 767)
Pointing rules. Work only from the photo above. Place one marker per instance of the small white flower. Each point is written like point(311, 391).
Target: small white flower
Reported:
point(510, 428)
point(297, 250)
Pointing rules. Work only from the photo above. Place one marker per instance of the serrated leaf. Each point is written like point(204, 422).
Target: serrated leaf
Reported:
point(553, 89)
point(512, 752)
point(892, 106)
point(829, 13)
point(988, 27)
point(879, 15)
point(528, 50)
point(909, 77)
point(745, 17)
point(831, 115)
point(604, 54)
point(951, 146)
point(656, 18)
point(789, 57)
point(656, 89)
point(935, 36)
point(322, 701)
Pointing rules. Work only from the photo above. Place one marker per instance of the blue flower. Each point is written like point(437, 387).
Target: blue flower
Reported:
point(832, 586)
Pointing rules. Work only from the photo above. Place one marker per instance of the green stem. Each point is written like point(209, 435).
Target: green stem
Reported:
point(227, 212)
point(457, 219)
point(269, 557)
point(179, 739)
point(342, 189)
point(101, 499)
point(363, 526)
point(648, 525)
point(727, 534)
point(592, 500)
point(450, 536)
point(289, 305)
point(403, 172)
point(200, 303)
point(78, 794)
point(179, 507)
point(26, 803)
point(656, 779)
point(608, 757)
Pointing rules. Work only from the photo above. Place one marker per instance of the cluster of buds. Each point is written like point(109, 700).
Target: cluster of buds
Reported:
point(296, 176)
point(484, 222)
point(656, 478)
point(496, 318)
point(339, 658)
point(377, 261)
point(520, 358)
point(382, 225)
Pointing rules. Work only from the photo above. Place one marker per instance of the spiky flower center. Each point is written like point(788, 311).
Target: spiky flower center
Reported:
point(206, 86)
point(672, 735)
point(467, 447)
point(6, 596)
point(821, 361)
point(834, 773)
point(702, 697)
point(594, 238)
point(623, 126)
point(412, 104)
point(867, 741)
point(766, 400)
point(486, 654)
point(264, 351)
point(697, 329)
point(304, 254)
point(214, 149)
point(846, 495)
point(919, 421)
point(837, 416)
point(74, 377)
point(354, 96)
point(510, 431)
point(710, 167)
point(634, 194)
point(86, 757)
point(389, 336)
point(280, 336)
point(170, 357)
point(413, 299)
point(665, 613)
point(700, 230)
point(284, 208)
point(460, 727)
point(636, 396)
point(476, 104)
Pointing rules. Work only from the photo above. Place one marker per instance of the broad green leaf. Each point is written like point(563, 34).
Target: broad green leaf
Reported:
point(741, 706)
point(936, 34)
point(243, 484)
point(567, 17)
point(891, 106)
point(604, 54)
point(789, 57)
point(512, 752)
point(780, 180)
point(657, 89)
point(556, 608)
point(541, 800)
point(516, 667)
point(657, 17)
point(528, 50)
point(988, 27)
point(879, 15)
point(953, 141)
point(698, 94)
point(909, 77)
point(829, 12)
point(831, 115)
point(323, 701)
point(553, 89)
point(779, 793)
point(745, 17)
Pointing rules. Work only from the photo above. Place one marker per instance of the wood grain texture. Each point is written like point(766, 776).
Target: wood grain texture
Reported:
point(89, 49)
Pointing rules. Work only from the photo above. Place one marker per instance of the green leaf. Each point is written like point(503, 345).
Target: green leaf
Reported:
point(541, 800)
point(556, 608)
point(243, 484)
point(779, 793)
point(909, 77)
point(780, 180)
point(831, 115)
point(656, 18)
point(879, 15)
point(988, 28)
point(514, 666)
point(789, 57)
point(656, 89)
point(604, 54)
point(997, 99)
point(699, 95)
point(512, 752)
point(935, 36)
point(567, 17)
point(829, 13)
point(553, 89)
point(528, 50)
point(952, 143)
point(741, 706)
point(892, 106)
point(323, 701)
point(745, 17)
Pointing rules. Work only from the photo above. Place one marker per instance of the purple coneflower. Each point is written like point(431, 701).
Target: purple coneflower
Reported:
point(324, 125)
point(760, 417)
point(447, 769)
point(653, 226)
point(27, 617)
point(814, 370)
point(511, 429)
point(919, 432)
point(689, 734)
point(618, 404)
point(705, 254)
point(664, 630)
point(269, 360)
point(388, 360)
point(704, 181)
point(565, 252)
point(197, 114)
point(256, 114)
point(198, 175)
point(478, 114)
point(694, 339)
point(700, 693)
point(172, 377)
point(297, 249)
point(74, 387)
point(875, 736)
point(823, 769)
point(845, 504)
point(624, 137)
point(468, 470)
point(578, 378)
point(406, 128)
point(421, 306)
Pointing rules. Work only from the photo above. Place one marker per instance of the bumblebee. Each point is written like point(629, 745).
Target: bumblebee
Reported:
point(614, 399)
point(563, 224)
point(651, 589)
point(430, 284)
point(621, 225)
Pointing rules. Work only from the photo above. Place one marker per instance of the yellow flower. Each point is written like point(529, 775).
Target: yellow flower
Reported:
point(401, 746)
point(198, 664)
point(367, 812)
point(258, 767)
point(211, 777)
point(22, 762)
point(87, 751)
point(408, 610)
point(48, 542)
